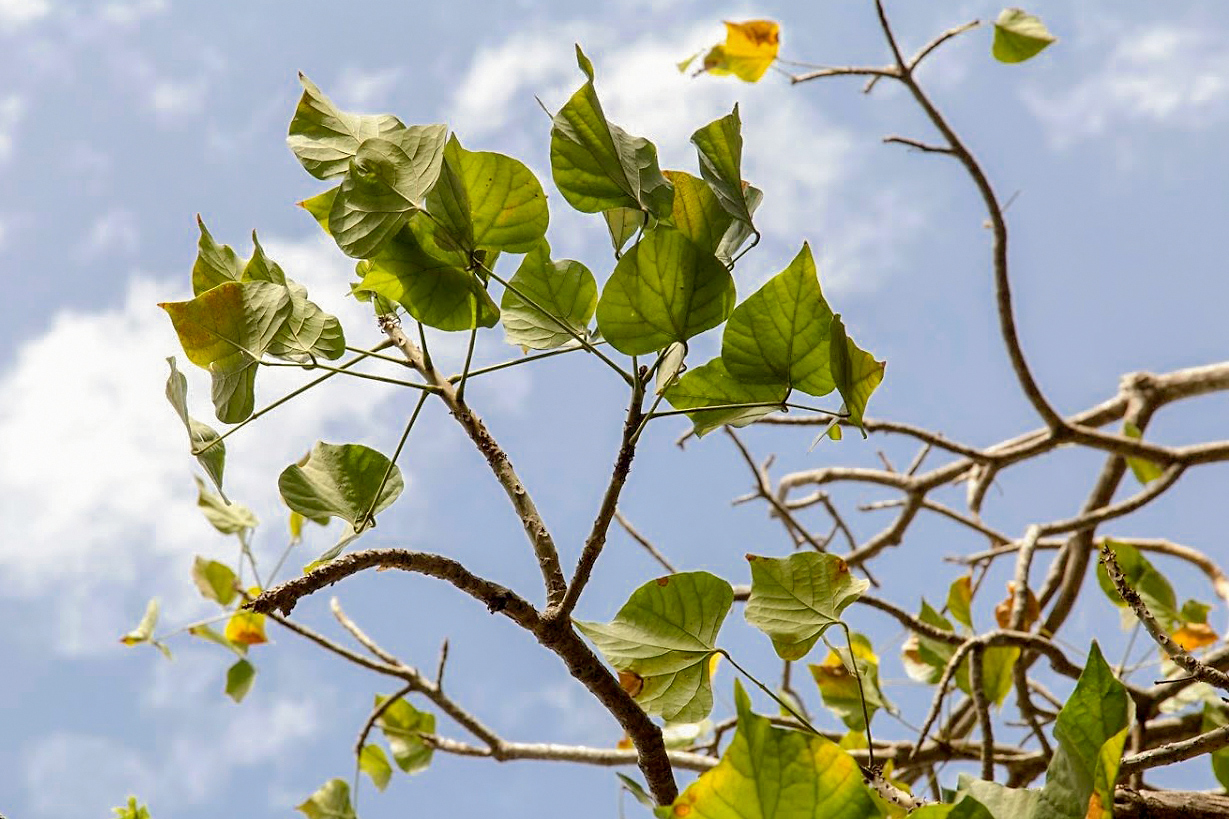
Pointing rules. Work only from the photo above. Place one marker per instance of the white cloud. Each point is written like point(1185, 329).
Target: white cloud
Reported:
point(178, 99)
point(129, 13)
point(1167, 76)
point(115, 232)
point(185, 764)
point(365, 90)
point(811, 169)
point(95, 489)
point(16, 13)
point(12, 111)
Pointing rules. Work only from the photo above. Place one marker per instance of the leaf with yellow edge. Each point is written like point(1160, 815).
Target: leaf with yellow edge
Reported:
point(959, 598)
point(749, 49)
point(145, 629)
point(246, 627)
point(776, 773)
point(840, 689)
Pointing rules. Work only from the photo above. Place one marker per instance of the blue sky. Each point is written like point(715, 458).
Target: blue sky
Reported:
point(119, 121)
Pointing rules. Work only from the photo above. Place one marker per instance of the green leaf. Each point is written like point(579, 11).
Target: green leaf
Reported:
point(216, 581)
point(597, 165)
point(373, 762)
point(332, 801)
point(319, 206)
point(966, 808)
point(387, 179)
point(795, 599)
point(696, 213)
point(1019, 36)
point(239, 679)
point(839, 687)
point(1143, 469)
point(213, 459)
point(712, 385)
point(131, 810)
point(325, 138)
point(664, 289)
point(720, 146)
point(925, 658)
point(1193, 611)
point(1214, 716)
point(776, 773)
point(402, 724)
point(435, 291)
point(488, 200)
point(564, 289)
point(855, 371)
point(780, 333)
point(959, 599)
point(340, 481)
point(1156, 592)
point(997, 678)
point(225, 331)
point(637, 790)
point(1090, 732)
point(215, 264)
point(664, 636)
point(227, 518)
point(622, 224)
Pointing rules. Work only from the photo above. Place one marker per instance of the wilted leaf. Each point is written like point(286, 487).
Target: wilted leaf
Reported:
point(332, 801)
point(839, 687)
point(1019, 36)
point(1194, 636)
point(1032, 609)
point(749, 49)
point(227, 518)
point(665, 634)
point(145, 629)
point(855, 371)
point(795, 599)
point(776, 773)
point(246, 628)
point(200, 436)
point(664, 289)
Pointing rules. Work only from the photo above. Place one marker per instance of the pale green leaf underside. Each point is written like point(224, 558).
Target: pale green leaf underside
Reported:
point(340, 481)
point(712, 385)
point(720, 146)
point(324, 138)
point(795, 599)
point(566, 290)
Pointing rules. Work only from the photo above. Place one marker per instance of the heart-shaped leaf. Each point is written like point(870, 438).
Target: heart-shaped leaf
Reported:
point(1019, 36)
point(434, 289)
point(597, 165)
point(216, 581)
point(780, 333)
point(565, 289)
point(795, 599)
point(331, 801)
point(768, 772)
point(239, 679)
point(664, 289)
point(373, 762)
point(325, 138)
point(661, 641)
point(487, 200)
point(340, 481)
point(712, 385)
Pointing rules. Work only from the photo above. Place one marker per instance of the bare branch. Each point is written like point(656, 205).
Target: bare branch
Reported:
point(940, 40)
point(644, 542)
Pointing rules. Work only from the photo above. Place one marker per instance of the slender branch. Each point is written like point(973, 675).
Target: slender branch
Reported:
point(644, 542)
point(940, 40)
point(359, 635)
point(1181, 657)
point(977, 683)
point(925, 147)
point(1172, 752)
point(606, 512)
point(497, 459)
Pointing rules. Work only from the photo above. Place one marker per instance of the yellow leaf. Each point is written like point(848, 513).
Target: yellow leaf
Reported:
point(749, 49)
point(1195, 635)
point(1032, 609)
point(246, 628)
point(713, 662)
